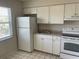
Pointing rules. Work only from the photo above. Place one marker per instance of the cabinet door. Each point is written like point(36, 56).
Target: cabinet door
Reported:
point(56, 45)
point(30, 11)
point(77, 10)
point(57, 14)
point(47, 45)
point(37, 42)
point(43, 43)
point(42, 15)
point(69, 11)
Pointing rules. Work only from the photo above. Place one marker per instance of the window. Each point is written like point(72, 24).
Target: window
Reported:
point(5, 22)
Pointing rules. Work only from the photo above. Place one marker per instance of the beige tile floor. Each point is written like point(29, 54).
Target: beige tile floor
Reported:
point(26, 55)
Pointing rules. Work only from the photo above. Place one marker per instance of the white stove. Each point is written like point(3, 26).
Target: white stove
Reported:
point(70, 44)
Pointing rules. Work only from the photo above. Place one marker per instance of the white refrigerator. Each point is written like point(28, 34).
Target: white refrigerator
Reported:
point(26, 27)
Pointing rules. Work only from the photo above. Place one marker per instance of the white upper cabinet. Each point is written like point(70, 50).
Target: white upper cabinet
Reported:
point(77, 10)
point(30, 11)
point(56, 14)
point(71, 12)
point(42, 15)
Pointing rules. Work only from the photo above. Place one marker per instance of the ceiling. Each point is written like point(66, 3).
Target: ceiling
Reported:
point(53, 0)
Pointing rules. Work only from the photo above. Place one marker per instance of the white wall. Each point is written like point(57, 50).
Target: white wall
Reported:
point(11, 44)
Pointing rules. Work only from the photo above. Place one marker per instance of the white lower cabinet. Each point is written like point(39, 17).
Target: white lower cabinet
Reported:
point(37, 42)
point(43, 43)
point(47, 43)
point(56, 45)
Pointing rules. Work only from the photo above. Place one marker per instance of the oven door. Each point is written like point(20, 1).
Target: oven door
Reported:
point(70, 46)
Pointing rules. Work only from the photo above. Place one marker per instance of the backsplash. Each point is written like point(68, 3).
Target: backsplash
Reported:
point(68, 25)
point(71, 26)
point(50, 27)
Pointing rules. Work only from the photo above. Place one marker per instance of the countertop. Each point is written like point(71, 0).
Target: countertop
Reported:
point(57, 33)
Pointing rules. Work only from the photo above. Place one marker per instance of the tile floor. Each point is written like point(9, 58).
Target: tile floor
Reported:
point(26, 55)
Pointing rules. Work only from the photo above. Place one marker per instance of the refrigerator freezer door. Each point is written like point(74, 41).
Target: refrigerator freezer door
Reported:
point(24, 39)
point(23, 22)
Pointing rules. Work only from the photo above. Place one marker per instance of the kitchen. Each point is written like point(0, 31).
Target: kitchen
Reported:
point(57, 21)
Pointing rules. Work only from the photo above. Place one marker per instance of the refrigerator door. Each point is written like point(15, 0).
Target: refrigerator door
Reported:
point(24, 39)
point(23, 22)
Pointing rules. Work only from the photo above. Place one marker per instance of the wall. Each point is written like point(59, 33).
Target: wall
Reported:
point(39, 3)
point(59, 28)
point(11, 44)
